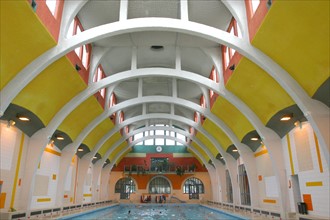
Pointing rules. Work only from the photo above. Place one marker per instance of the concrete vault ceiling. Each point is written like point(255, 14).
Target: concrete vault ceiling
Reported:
point(165, 85)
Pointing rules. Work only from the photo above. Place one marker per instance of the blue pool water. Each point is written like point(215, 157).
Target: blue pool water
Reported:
point(156, 211)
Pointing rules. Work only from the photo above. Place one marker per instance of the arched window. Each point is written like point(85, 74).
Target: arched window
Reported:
point(193, 187)
point(244, 185)
point(229, 188)
point(125, 187)
point(159, 185)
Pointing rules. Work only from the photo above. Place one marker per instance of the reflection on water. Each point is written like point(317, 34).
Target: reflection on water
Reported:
point(158, 212)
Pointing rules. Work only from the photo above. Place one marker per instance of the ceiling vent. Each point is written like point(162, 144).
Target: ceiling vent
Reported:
point(157, 47)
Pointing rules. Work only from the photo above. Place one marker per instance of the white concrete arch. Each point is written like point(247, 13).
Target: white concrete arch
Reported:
point(315, 112)
point(73, 146)
point(96, 58)
point(238, 10)
point(120, 77)
point(137, 141)
point(230, 161)
point(226, 156)
point(70, 10)
point(164, 99)
point(69, 151)
point(199, 143)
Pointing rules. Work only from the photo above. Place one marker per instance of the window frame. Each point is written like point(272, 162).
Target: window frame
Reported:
point(164, 180)
point(193, 186)
point(121, 187)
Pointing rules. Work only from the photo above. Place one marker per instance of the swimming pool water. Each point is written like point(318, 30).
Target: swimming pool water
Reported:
point(156, 211)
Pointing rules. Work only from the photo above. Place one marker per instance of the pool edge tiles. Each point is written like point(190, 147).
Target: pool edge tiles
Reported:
point(86, 212)
point(226, 212)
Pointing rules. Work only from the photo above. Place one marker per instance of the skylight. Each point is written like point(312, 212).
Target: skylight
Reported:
point(51, 4)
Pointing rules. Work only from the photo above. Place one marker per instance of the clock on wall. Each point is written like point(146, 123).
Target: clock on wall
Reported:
point(159, 149)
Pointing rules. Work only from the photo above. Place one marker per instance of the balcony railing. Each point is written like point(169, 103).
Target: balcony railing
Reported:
point(161, 168)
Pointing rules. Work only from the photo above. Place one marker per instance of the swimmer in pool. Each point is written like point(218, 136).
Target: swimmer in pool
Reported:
point(129, 211)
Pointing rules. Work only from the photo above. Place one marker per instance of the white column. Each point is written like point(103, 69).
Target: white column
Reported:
point(96, 174)
point(35, 149)
point(66, 158)
point(251, 170)
point(105, 186)
point(222, 181)
point(82, 171)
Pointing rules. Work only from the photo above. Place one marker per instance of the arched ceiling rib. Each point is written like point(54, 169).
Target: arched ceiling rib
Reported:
point(248, 81)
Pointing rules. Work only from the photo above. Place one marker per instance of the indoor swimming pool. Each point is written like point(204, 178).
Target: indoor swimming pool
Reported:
point(156, 211)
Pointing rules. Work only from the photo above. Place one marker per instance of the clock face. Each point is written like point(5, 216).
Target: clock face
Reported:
point(159, 149)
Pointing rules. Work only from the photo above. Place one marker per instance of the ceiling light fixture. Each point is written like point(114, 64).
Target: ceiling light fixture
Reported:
point(80, 149)
point(23, 118)
point(286, 117)
point(254, 139)
point(94, 157)
point(235, 150)
point(59, 137)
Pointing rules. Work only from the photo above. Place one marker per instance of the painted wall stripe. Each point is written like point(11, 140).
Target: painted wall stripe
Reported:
point(44, 200)
point(269, 201)
point(290, 154)
point(53, 152)
point(17, 171)
point(87, 195)
point(316, 183)
point(261, 153)
point(318, 153)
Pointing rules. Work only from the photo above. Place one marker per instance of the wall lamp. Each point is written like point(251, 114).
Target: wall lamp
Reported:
point(298, 124)
point(51, 141)
point(10, 123)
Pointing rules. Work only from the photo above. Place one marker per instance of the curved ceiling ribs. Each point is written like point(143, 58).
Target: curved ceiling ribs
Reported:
point(283, 79)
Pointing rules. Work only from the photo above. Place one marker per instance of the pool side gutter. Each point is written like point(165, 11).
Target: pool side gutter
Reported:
point(228, 213)
point(86, 212)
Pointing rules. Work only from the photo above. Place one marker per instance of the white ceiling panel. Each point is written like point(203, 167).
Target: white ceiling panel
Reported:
point(95, 13)
point(210, 12)
point(153, 8)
